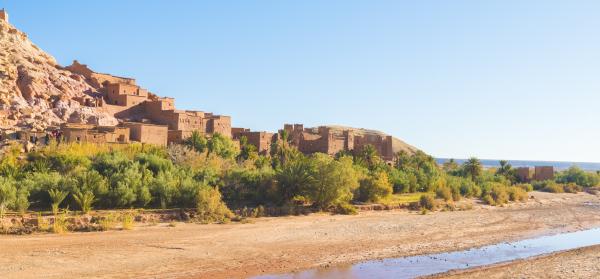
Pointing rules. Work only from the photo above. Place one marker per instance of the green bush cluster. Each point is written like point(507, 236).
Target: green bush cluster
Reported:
point(213, 174)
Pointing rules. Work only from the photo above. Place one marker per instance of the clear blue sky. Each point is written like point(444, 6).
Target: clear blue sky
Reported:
point(492, 79)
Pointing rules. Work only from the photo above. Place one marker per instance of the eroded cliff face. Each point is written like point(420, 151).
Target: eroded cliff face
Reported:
point(35, 92)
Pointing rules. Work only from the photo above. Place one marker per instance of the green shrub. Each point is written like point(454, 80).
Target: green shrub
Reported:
point(57, 197)
point(210, 207)
point(487, 199)
point(427, 202)
point(375, 187)
point(345, 208)
point(540, 185)
point(22, 200)
point(84, 200)
point(444, 193)
point(259, 211)
point(8, 195)
point(499, 194)
point(517, 194)
point(525, 186)
point(572, 188)
point(469, 189)
point(335, 181)
point(553, 187)
point(579, 177)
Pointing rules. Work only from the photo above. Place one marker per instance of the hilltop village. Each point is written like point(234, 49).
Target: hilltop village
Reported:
point(144, 117)
point(42, 101)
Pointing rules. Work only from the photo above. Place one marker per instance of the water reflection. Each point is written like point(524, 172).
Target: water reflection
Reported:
point(410, 267)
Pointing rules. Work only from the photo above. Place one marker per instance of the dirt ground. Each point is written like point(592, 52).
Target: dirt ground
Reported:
point(578, 263)
point(286, 244)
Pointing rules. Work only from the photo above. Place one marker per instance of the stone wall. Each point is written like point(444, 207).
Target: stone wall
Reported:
point(148, 133)
point(94, 134)
point(523, 174)
point(383, 145)
point(130, 103)
point(324, 140)
point(543, 173)
point(125, 94)
point(97, 79)
point(218, 124)
point(261, 140)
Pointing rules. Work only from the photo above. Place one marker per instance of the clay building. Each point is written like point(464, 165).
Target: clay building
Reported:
point(523, 174)
point(3, 15)
point(329, 141)
point(539, 173)
point(310, 141)
point(122, 94)
point(130, 103)
point(97, 80)
point(261, 140)
point(148, 133)
point(182, 123)
point(542, 173)
point(94, 134)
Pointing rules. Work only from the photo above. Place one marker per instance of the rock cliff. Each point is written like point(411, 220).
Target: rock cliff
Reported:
point(35, 92)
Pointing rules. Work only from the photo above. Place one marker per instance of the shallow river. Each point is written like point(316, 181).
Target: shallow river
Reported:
point(410, 267)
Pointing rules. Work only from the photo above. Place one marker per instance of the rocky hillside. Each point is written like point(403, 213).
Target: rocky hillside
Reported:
point(35, 92)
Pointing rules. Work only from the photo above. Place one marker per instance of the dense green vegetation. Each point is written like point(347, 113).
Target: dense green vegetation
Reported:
point(214, 175)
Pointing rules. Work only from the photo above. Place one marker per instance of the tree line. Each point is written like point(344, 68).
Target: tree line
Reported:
point(214, 174)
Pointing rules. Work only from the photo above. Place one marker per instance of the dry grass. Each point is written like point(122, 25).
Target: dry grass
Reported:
point(61, 224)
point(42, 224)
point(404, 199)
point(108, 222)
point(127, 221)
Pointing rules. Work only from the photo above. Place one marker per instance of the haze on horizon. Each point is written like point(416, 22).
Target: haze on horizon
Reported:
point(500, 79)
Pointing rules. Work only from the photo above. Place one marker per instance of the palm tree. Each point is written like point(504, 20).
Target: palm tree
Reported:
point(473, 168)
point(84, 200)
point(505, 167)
point(294, 178)
point(402, 159)
point(369, 155)
point(196, 141)
point(57, 196)
point(450, 165)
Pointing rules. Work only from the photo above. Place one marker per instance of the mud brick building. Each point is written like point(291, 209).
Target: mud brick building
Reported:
point(329, 141)
point(148, 133)
point(539, 173)
point(131, 104)
point(3, 15)
point(543, 173)
point(94, 134)
point(261, 140)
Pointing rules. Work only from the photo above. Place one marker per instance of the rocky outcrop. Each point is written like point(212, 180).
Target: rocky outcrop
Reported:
point(35, 92)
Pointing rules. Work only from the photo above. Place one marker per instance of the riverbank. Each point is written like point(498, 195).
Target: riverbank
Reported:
point(577, 263)
point(287, 244)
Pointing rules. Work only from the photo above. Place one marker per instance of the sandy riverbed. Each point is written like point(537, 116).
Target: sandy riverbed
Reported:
point(285, 244)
